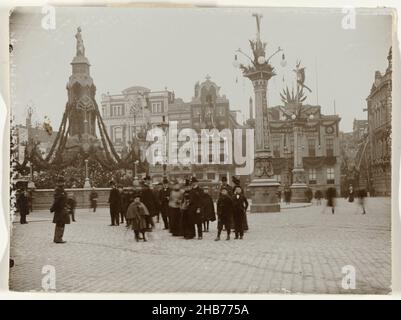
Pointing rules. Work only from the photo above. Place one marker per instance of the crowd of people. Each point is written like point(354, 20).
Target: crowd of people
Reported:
point(184, 208)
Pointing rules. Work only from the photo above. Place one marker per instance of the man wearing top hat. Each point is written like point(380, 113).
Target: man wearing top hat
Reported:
point(59, 208)
point(148, 199)
point(164, 198)
point(115, 204)
point(196, 195)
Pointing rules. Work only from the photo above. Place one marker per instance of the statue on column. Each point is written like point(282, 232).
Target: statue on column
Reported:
point(80, 43)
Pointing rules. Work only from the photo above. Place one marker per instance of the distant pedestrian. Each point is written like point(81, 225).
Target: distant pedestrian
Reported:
point(93, 199)
point(287, 196)
point(115, 204)
point(240, 205)
point(331, 194)
point(351, 194)
point(224, 213)
point(318, 197)
point(361, 199)
point(136, 217)
point(23, 205)
point(71, 204)
point(59, 208)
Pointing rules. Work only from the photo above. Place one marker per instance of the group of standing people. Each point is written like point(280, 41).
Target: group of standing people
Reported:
point(186, 208)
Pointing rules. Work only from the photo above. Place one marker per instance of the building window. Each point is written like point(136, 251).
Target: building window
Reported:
point(157, 107)
point(330, 175)
point(117, 110)
point(291, 142)
point(330, 147)
point(211, 176)
point(276, 148)
point(199, 176)
point(103, 111)
point(221, 111)
point(118, 134)
point(311, 148)
point(312, 176)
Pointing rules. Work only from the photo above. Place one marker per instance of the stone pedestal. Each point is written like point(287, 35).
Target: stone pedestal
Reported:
point(264, 195)
point(298, 188)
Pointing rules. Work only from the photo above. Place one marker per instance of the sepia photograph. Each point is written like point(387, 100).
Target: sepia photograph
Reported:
point(201, 150)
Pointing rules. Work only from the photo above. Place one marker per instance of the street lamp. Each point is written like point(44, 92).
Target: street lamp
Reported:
point(164, 126)
point(87, 184)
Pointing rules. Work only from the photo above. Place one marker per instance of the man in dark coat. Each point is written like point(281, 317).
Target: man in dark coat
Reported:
point(126, 199)
point(115, 204)
point(93, 199)
point(148, 199)
point(208, 211)
point(59, 208)
point(196, 195)
point(224, 213)
point(240, 205)
point(23, 205)
point(164, 198)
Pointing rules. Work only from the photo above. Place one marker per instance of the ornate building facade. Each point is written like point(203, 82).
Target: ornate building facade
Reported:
point(374, 156)
point(136, 109)
point(319, 146)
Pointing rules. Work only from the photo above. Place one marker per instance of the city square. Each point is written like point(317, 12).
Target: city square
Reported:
point(120, 166)
point(299, 250)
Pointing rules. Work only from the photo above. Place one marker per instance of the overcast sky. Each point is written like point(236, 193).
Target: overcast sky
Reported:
point(175, 48)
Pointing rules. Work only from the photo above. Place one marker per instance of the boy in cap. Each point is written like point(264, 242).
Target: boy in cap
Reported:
point(137, 214)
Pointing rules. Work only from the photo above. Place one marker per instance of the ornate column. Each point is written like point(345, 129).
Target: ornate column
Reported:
point(299, 185)
point(264, 187)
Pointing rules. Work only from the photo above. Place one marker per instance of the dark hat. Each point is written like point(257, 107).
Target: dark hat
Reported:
point(111, 183)
point(147, 178)
point(194, 180)
point(187, 182)
point(224, 179)
point(165, 180)
point(236, 187)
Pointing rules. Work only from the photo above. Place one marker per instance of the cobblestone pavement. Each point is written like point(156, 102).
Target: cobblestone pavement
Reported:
point(300, 250)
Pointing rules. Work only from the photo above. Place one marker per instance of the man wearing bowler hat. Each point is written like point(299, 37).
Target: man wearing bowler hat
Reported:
point(59, 208)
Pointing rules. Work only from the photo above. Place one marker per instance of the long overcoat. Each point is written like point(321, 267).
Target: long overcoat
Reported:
point(59, 207)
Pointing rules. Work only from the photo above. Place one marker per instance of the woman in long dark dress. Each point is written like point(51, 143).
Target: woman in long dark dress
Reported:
point(188, 219)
